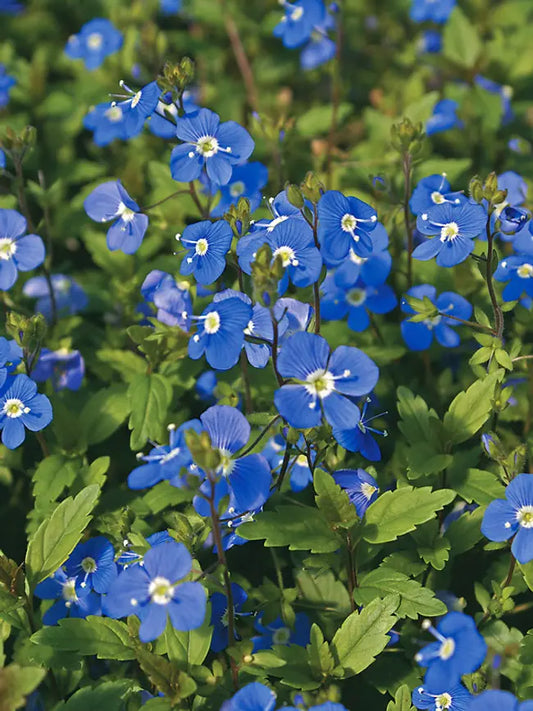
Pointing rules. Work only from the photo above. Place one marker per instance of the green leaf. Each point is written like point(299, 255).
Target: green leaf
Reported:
point(397, 512)
point(476, 485)
point(470, 409)
point(57, 536)
point(53, 474)
point(190, 648)
point(317, 120)
point(150, 396)
point(16, 683)
point(415, 416)
point(320, 657)
point(8, 604)
point(332, 501)
point(423, 460)
point(363, 635)
point(166, 676)
point(402, 700)
point(461, 40)
point(108, 695)
point(415, 600)
point(101, 636)
point(104, 413)
point(465, 532)
point(299, 528)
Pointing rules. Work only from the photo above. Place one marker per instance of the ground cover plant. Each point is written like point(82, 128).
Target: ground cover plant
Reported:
point(266, 364)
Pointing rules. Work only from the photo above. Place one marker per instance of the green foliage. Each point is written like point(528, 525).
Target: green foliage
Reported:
point(16, 683)
point(149, 398)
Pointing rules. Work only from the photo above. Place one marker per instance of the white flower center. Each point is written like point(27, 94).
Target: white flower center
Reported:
point(287, 256)
point(125, 212)
point(355, 258)
point(136, 99)
point(321, 382)
point(69, 591)
point(8, 247)
point(447, 648)
point(368, 490)
point(281, 636)
point(525, 271)
point(348, 222)
point(524, 516)
point(301, 461)
point(237, 189)
point(202, 246)
point(356, 297)
point(249, 328)
point(161, 591)
point(276, 221)
point(13, 407)
point(432, 322)
point(449, 231)
point(89, 565)
point(443, 701)
point(94, 40)
point(207, 146)
point(212, 322)
point(114, 114)
point(227, 464)
point(437, 197)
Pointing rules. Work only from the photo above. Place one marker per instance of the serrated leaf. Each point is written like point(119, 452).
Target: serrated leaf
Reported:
point(104, 412)
point(108, 695)
point(52, 475)
point(149, 396)
point(415, 416)
point(320, 657)
point(189, 648)
point(470, 409)
point(332, 501)
point(363, 635)
point(461, 40)
point(395, 513)
point(101, 636)
point(476, 485)
point(465, 532)
point(402, 700)
point(57, 536)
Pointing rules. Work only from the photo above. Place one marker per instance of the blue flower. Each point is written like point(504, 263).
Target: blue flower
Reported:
point(453, 228)
point(359, 438)
point(110, 201)
point(504, 91)
point(131, 557)
point(11, 7)
point(374, 269)
point(361, 487)
point(292, 316)
point(344, 223)
point(2, 160)
point(433, 190)
point(451, 698)
point(512, 219)
point(163, 126)
point(443, 118)
point(292, 241)
point(523, 242)
point(21, 406)
point(419, 336)
point(72, 599)
point(431, 42)
point(96, 40)
point(246, 479)
point(516, 188)
point(496, 700)
point(299, 21)
point(246, 181)
point(18, 252)
point(108, 121)
point(6, 84)
point(327, 706)
point(154, 592)
point(205, 386)
point(318, 51)
point(92, 564)
point(220, 333)
point(207, 142)
point(356, 301)
point(164, 462)
point(252, 697)
point(10, 354)
point(278, 633)
point(219, 615)
point(65, 368)
point(513, 516)
point(174, 304)
point(323, 379)
point(207, 244)
point(69, 296)
point(170, 7)
point(429, 10)
point(459, 650)
point(518, 271)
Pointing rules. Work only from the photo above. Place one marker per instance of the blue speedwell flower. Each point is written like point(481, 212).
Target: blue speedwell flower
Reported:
point(96, 40)
point(63, 367)
point(246, 181)
point(419, 336)
point(92, 564)
point(252, 697)
point(170, 7)
point(278, 633)
point(219, 615)
point(207, 244)
point(518, 271)
point(207, 142)
point(124, 120)
point(327, 706)
point(444, 117)
point(433, 190)
point(153, 592)
point(299, 21)
point(361, 487)
point(453, 228)
point(459, 650)
point(220, 333)
point(344, 223)
point(72, 599)
point(292, 241)
point(451, 698)
point(496, 700)
point(7, 82)
point(513, 516)
point(110, 201)
point(359, 438)
point(374, 269)
point(21, 406)
point(18, 252)
point(69, 296)
point(429, 10)
point(322, 380)
point(137, 106)
point(357, 301)
point(173, 301)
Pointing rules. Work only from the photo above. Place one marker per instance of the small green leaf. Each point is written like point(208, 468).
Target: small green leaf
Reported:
point(149, 396)
point(189, 648)
point(332, 501)
point(402, 700)
point(16, 683)
point(461, 40)
point(470, 409)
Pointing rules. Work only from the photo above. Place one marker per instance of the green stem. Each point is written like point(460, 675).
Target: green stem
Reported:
point(168, 197)
point(335, 98)
point(260, 436)
point(284, 466)
point(498, 313)
point(352, 578)
point(407, 173)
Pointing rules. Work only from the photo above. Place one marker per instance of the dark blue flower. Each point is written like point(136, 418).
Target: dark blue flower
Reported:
point(207, 244)
point(516, 187)
point(72, 599)
point(7, 82)
point(374, 269)
point(65, 368)
point(453, 228)
point(523, 242)
point(252, 697)
point(444, 117)
point(451, 698)
point(220, 333)
point(10, 354)
point(419, 336)
point(359, 438)
point(107, 121)
point(92, 564)
point(153, 592)
point(173, 302)
point(2, 160)
point(219, 615)
point(205, 386)
point(277, 632)
point(21, 406)
point(137, 106)
point(11, 7)
point(160, 124)
point(299, 21)
point(496, 700)
point(69, 296)
point(322, 380)
point(246, 181)
point(356, 301)
point(344, 223)
point(292, 241)
point(361, 487)
point(429, 10)
point(207, 142)
point(18, 252)
point(97, 39)
point(513, 516)
point(518, 271)
point(433, 190)
point(431, 42)
point(110, 201)
point(170, 7)
point(459, 650)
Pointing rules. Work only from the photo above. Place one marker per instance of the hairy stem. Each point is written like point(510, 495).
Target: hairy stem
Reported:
point(498, 313)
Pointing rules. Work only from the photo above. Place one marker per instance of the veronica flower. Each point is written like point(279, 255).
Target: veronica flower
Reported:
point(7, 82)
point(163, 126)
point(137, 106)
point(299, 21)
point(153, 592)
point(293, 242)
point(252, 697)
point(320, 48)
point(69, 296)
point(518, 271)
point(18, 252)
point(71, 599)
point(433, 190)
point(357, 302)
point(359, 438)
point(21, 406)
point(374, 269)
point(451, 698)
point(322, 380)
point(277, 632)
point(419, 335)
point(97, 39)
point(443, 118)
point(65, 369)
point(207, 244)
point(361, 487)
point(344, 223)
point(219, 615)
point(505, 92)
point(453, 228)
point(246, 181)
point(207, 142)
point(92, 564)
point(459, 650)
point(173, 302)
point(496, 700)
point(424, 10)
